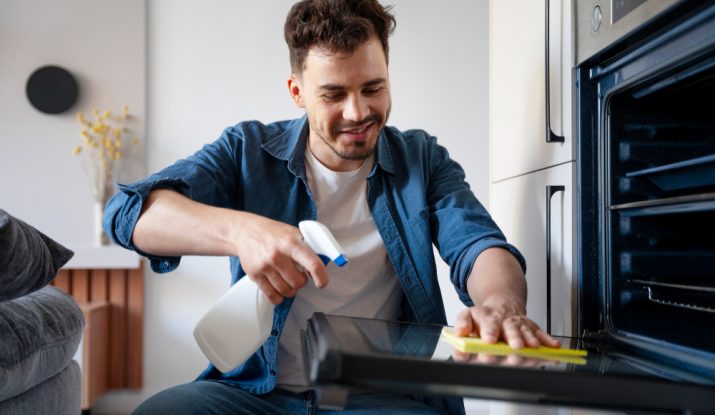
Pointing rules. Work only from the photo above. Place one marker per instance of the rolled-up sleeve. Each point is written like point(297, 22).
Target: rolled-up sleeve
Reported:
point(208, 176)
point(122, 213)
point(462, 228)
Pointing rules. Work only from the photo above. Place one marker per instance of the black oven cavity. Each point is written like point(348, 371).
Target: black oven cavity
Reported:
point(661, 210)
point(646, 156)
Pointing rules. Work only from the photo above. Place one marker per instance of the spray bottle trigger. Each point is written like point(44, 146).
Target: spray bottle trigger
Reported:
point(324, 258)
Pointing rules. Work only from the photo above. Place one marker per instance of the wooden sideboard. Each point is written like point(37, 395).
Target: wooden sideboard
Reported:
point(112, 301)
point(94, 352)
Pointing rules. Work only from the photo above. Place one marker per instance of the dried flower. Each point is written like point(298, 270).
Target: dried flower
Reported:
point(102, 143)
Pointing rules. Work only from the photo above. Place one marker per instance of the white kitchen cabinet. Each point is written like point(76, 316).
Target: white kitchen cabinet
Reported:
point(522, 162)
point(517, 85)
point(518, 206)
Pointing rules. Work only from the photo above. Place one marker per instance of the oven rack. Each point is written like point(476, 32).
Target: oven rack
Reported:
point(648, 286)
point(668, 295)
point(678, 204)
point(651, 154)
point(686, 174)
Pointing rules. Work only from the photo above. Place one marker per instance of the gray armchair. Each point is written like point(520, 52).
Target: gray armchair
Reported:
point(40, 326)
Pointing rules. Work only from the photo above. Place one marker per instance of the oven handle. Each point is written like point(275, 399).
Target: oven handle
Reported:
point(551, 137)
point(550, 191)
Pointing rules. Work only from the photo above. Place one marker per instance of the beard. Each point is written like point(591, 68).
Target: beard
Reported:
point(361, 150)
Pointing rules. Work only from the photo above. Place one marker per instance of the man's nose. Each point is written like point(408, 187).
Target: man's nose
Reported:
point(356, 109)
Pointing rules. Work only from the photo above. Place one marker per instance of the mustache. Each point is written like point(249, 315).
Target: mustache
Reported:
point(348, 125)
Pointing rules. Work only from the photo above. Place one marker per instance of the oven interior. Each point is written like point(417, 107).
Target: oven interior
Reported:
point(660, 210)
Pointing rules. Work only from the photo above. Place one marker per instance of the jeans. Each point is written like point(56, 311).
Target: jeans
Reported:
point(210, 397)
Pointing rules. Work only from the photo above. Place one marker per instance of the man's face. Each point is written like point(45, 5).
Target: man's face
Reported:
point(347, 99)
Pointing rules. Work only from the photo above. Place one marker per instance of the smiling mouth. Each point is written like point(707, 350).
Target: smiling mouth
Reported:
point(359, 133)
point(358, 130)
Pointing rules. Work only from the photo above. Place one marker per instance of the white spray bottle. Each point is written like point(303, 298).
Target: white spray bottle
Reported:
point(241, 321)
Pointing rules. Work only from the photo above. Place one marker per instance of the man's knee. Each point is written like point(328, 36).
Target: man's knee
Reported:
point(190, 398)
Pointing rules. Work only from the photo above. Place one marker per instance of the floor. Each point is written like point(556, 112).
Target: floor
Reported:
point(481, 407)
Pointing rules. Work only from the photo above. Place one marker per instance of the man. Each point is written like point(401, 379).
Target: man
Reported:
point(386, 195)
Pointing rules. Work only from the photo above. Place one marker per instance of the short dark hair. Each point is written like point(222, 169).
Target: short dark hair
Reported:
point(339, 26)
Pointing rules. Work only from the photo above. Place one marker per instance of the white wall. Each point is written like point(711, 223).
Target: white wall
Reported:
point(214, 64)
point(209, 65)
point(103, 45)
point(440, 83)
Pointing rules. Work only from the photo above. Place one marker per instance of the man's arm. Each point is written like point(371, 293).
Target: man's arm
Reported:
point(497, 287)
point(171, 224)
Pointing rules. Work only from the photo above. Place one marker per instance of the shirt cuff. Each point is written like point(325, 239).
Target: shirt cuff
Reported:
point(123, 210)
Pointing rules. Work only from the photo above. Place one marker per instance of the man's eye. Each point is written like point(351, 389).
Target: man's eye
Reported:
point(372, 91)
point(332, 97)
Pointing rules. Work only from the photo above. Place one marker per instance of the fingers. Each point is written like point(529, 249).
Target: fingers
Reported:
point(460, 356)
point(515, 329)
point(546, 339)
point(309, 261)
point(277, 259)
point(520, 331)
point(464, 325)
point(513, 332)
point(267, 289)
point(280, 285)
point(290, 275)
point(488, 322)
point(282, 281)
point(529, 336)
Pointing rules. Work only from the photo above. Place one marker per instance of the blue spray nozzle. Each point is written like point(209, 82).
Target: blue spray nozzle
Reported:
point(322, 242)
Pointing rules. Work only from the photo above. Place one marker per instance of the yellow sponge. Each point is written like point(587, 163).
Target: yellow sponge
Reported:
point(473, 344)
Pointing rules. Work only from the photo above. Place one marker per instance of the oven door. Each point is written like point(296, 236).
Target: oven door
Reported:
point(348, 354)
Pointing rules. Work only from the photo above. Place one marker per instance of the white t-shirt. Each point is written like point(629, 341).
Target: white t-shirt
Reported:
point(365, 287)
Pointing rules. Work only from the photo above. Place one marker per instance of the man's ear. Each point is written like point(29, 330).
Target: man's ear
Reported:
point(296, 91)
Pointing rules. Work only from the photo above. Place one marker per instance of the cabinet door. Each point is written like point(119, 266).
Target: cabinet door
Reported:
point(518, 206)
point(517, 85)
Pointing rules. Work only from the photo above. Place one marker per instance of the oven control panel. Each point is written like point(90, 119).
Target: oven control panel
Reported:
point(600, 23)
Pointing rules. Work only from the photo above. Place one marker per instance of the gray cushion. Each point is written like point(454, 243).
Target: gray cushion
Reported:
point(58, 395)
point(39, 335)
point(28, 258)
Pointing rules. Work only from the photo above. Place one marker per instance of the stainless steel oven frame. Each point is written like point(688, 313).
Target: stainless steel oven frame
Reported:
point(602, 23)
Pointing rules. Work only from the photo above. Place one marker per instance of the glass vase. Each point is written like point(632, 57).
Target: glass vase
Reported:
point(100, 237)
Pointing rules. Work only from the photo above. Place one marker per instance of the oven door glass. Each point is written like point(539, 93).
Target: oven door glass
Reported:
point(377, 355)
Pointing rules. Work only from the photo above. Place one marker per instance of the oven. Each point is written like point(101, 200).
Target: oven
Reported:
point(644, 186)
point(645, 128)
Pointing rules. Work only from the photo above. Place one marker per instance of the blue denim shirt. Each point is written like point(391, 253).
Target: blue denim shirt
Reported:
point(417, 196)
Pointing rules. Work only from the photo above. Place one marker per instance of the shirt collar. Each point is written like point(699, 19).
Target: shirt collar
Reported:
point(291, 143)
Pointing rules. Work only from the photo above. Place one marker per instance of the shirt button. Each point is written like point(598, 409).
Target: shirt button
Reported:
point(274, 332)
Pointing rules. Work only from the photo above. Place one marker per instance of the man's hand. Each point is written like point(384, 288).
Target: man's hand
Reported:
point(271, 252)
point(275, 257)
point(498, 288)
point(499, 318)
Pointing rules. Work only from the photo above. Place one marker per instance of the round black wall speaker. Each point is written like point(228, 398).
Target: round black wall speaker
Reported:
point(52, 89)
